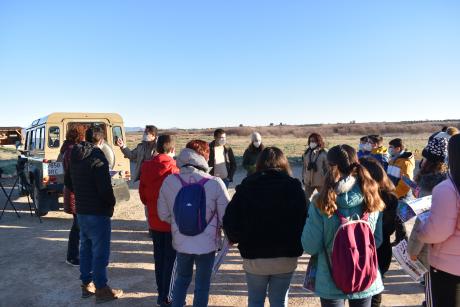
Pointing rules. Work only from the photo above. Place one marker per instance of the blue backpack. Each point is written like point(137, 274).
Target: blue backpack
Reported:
point(190, 207)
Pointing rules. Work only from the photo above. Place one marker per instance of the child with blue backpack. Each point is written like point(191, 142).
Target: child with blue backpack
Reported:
point(347, 210)
point(194, 203)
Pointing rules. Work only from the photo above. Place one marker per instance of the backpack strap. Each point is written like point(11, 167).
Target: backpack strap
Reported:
point(343, 219)
point(203, 181)
point(181, 180)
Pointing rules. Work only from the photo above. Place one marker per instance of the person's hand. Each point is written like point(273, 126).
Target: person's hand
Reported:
point(120, 142)
point(413, 257)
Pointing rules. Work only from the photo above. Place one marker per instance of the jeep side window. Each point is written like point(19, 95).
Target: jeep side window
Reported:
point(117, 133)
point(32, 140)
point(53, 137)
point(26, 145)
point(41, 138)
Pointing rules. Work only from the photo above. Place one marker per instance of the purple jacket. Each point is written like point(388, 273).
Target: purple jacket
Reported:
point(442, 228)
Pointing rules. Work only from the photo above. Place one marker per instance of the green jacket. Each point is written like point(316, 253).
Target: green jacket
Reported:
point(319, 231)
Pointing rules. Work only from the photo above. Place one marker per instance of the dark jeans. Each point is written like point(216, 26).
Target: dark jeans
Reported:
point(94, 248)
point(226, 182)
point(365, 302)
point(164, 256)
point(185, 263)
point(73, 252)
point(445, 289)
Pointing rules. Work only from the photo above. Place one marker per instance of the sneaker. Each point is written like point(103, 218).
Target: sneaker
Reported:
point(107, 294)
point(88, 290)
point(73, 262)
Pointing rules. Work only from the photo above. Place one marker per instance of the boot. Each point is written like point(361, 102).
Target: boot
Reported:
point(88, 290)
point(107, 294)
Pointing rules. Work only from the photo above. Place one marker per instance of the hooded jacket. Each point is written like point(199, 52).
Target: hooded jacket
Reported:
point(153, 173)
point(266, 216)
point(144, 151)
point(402, 165)
point(193, 167)
point(89, 179)
point(230, 161)
point(318, 236)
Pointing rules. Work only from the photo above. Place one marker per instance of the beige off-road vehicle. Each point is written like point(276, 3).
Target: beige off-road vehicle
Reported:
point(42, 142)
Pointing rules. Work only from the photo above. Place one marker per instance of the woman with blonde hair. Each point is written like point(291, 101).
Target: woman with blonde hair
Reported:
point(349, 191)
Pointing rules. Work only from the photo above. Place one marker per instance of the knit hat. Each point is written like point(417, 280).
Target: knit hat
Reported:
point(436, 150)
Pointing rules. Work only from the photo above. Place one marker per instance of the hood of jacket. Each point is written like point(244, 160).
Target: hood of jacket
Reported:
point(66, 145)
point(380, 150)
point(189, 157)
point(404, 155)
point(348, 193)
point(82, 151)
point(160, 165)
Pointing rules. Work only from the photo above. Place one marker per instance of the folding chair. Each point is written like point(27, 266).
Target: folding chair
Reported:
point(8, 196)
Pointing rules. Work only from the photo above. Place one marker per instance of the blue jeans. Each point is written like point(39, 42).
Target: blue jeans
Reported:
point(164, 256)
point(204, 264)
point(226, 182)
point(74, 240)
point(278, 289)
point(94, 248)
point(364, 302)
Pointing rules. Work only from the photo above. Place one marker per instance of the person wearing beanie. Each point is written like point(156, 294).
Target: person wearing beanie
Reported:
point(433, 170)
point(436, 150)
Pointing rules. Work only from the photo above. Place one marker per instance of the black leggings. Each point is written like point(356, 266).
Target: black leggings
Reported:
point(445, 289)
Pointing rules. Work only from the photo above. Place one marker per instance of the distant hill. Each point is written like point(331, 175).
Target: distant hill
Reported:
point(134, 129)
point(352, 128)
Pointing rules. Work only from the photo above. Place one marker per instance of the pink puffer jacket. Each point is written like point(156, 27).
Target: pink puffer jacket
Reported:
point(442, 229)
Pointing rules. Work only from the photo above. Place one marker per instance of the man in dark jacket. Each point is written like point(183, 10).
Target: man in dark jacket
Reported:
point(90, 181)
point(221, 158)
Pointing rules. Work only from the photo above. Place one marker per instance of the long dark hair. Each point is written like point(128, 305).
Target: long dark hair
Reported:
point(273, 158)
point(454, 159)
point(343, 161)
point(377, 173)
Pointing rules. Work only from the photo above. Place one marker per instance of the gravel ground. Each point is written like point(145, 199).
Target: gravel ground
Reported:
point(34, 272)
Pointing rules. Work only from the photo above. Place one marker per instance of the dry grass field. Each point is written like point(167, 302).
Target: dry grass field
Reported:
point(291, 145)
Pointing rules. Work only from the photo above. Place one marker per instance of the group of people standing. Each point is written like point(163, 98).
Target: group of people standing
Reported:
point(273, 218)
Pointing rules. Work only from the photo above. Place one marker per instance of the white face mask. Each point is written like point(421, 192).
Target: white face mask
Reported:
point(361, 146)
point(256, 143)
point(172, 154)
point(367, 147)
point(222, 141)
point(148, 137)
point(313, 145)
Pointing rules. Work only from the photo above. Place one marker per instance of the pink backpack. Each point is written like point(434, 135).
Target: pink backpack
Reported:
point(354, 255)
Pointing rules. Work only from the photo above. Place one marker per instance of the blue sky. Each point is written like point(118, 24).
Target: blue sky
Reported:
point(223, 63)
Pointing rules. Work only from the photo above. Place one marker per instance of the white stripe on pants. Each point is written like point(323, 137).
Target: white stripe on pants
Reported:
point(173, 279)
point(428, 296)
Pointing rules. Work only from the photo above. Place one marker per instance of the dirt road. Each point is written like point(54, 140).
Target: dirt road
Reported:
point(33, 271)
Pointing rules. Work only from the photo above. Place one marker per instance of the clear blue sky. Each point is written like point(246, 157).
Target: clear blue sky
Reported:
point(196, 63)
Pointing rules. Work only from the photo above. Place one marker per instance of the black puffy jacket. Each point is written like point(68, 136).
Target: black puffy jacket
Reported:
point(89, 179)
point(266, 216)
